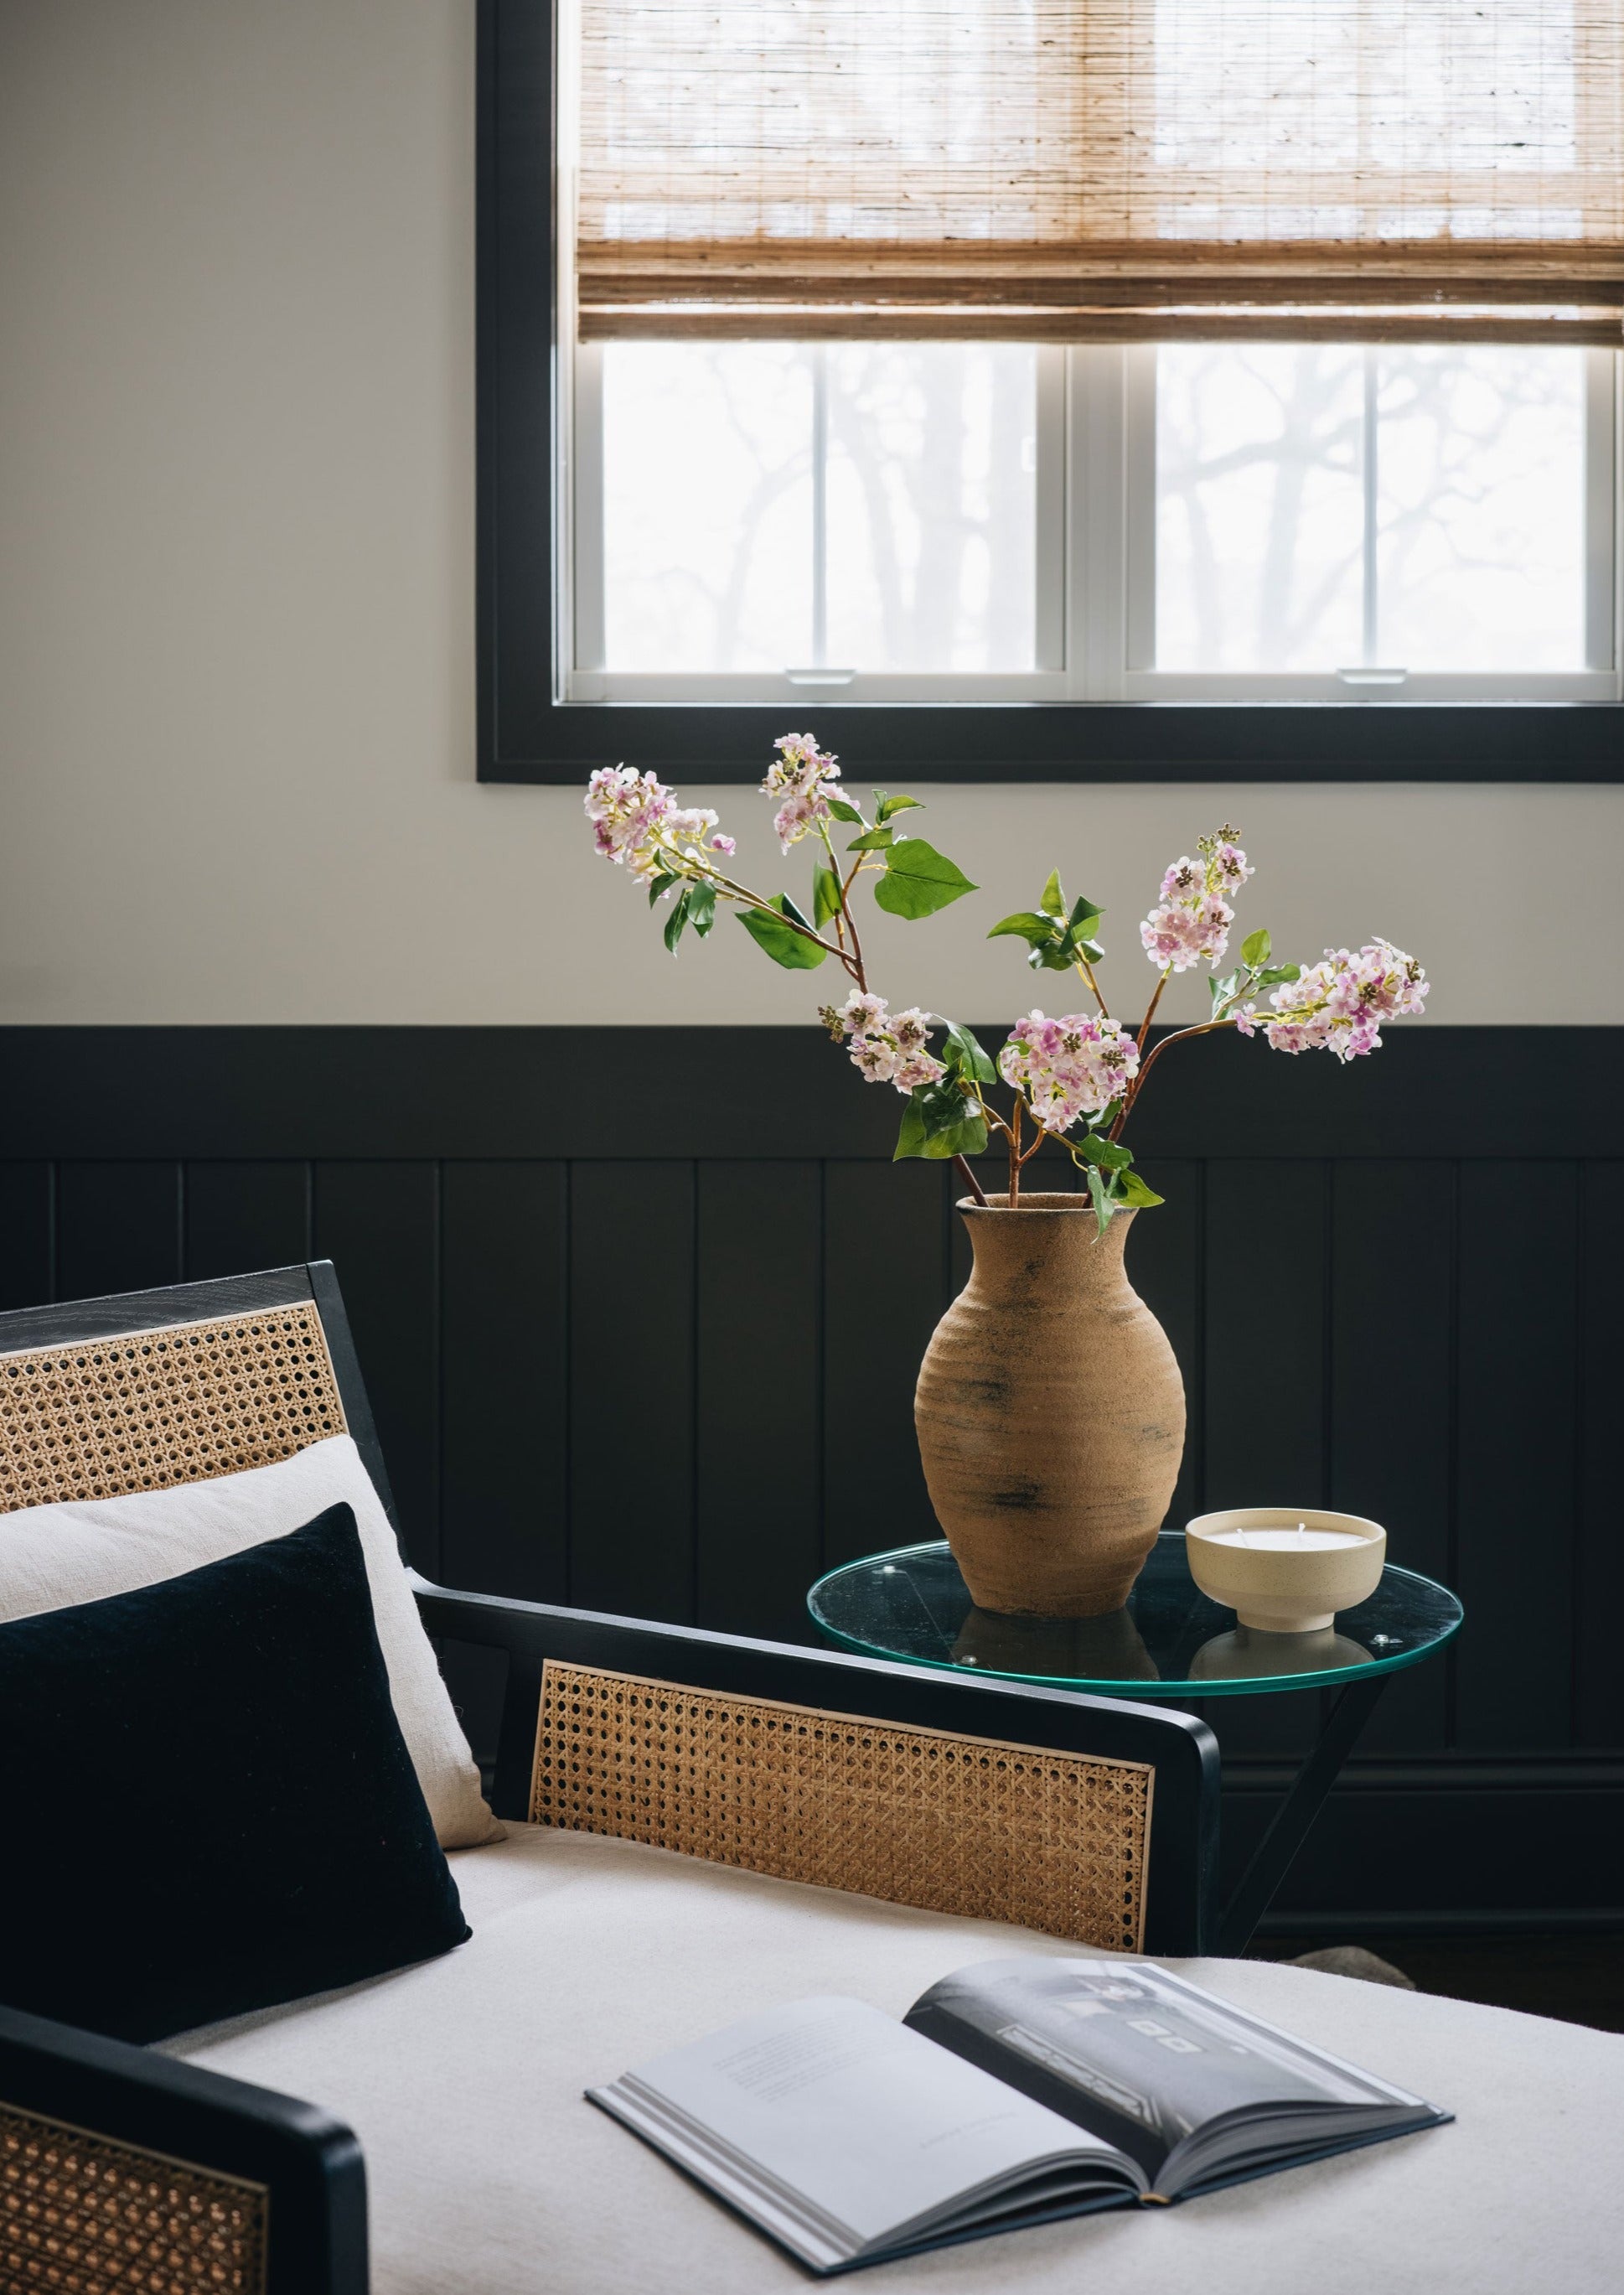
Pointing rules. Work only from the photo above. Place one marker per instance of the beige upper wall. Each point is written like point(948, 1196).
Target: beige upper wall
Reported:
point(236, 608)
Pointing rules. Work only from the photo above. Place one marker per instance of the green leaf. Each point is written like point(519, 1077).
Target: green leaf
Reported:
point(1052, 900)
point(965, 1056)
point(875, 841)
point(783, 946)
point(662, 884)
point(1220, 990)
point(1092, 949)
point(1102, 1205)
point(702, 907)
point(1083, 913)
point(939, 1123)
point(1254, 950)
point(1028, 925)
point(842, 811)
point(1111, 1153)
point(1277, 973)
point(678, 918)
point(919, 880)
point(826, 894)
point(1054, 956)
point(1133, 1190)
point(890, 806)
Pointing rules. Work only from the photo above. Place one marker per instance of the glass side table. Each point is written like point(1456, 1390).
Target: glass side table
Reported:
point(1170, 1643)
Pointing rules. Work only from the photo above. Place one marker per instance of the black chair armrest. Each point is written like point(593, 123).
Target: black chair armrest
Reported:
point(1182, 1916)
point(219, 2165)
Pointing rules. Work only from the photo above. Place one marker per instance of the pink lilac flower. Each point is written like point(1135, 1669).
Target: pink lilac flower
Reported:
point(1072, 1066)
point(887, 1047)
point(725, 845)
point(916, 1068)
point(1190, 924)
point(1339, 1006)
point(637, 821)
point(861, 1012)
point(800, 776)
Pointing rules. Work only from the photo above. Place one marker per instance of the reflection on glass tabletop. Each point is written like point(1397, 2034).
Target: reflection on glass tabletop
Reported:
point(1170, 1640)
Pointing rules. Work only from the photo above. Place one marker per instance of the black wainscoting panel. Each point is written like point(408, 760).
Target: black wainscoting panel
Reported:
point(679, 1382)
point(379, 1224)
point(1517, 1421)
point(118, 1227)
point(241, 1216)
point(1392, 1340)
point(632, 1389)
point(1265, 1368)
point(1598, 1592)
point(758, 1414)
point(504, 1369)
point(27, 1224)
point(884, 1289)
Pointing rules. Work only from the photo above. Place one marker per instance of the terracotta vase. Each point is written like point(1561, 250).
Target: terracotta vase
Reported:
point(1051, 1413)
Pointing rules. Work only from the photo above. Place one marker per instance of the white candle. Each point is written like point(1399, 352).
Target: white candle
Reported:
point(1300, 1540)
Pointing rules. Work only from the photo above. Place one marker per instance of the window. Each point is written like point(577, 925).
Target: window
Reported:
point(1108, 352)
point(895, 521)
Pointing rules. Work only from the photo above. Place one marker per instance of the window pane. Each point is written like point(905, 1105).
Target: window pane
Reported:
point(706, 505)
point(1260, 513)
point(713, 458)
point(1472, 509)
point(931, 506)
point(1481, 506)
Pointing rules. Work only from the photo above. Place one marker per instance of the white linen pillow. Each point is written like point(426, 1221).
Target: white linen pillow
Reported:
point(53, 1558)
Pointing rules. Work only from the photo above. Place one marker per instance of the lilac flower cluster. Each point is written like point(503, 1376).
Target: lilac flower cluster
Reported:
point(1191, 923)
point(886, 1047)
point(1340, 1005)
point(638, 823)
point(800, 776)
point(1068, 1067)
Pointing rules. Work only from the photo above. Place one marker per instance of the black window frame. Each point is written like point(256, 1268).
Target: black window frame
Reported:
point(525, 734)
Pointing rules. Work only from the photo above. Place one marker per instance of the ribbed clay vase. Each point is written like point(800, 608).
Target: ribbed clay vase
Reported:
point(1051, 1413)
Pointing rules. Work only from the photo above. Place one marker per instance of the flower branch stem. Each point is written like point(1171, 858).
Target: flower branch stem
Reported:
point(1150, 1009)
point(973, 1184)
point(1183, 1036)
point(1086, 970)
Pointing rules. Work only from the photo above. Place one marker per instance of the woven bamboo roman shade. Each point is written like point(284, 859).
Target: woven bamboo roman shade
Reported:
point(1076, 170)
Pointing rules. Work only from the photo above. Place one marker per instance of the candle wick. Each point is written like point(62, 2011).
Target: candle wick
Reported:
point(1302, 1529)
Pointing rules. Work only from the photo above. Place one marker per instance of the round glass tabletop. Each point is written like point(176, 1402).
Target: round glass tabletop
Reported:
point(1171, 1641)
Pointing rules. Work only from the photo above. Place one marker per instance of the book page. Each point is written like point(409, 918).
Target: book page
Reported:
point(837, 2103)
point(1135, 2053)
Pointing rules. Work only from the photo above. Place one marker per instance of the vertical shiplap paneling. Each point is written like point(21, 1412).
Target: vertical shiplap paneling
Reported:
point(758, 1395)
point(26, 1225)
point(1598, 1713)
point(244, 1216)
point(379, 1223)
point(1391, 1376)
point(1264, 1351)
point(1517, 1425)
point(118, 1227)
point(1164, 1260)
point(505, 1378)
point(632, 1389)
point(885, 1285)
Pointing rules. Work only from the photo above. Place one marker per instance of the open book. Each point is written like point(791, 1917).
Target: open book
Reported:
point(1015, 2091)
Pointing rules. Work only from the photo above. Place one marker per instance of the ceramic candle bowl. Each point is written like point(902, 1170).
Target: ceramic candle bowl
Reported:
point(1277, 1586)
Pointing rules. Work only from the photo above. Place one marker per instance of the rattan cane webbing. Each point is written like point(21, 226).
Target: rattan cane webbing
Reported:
point(82, 2216)
point(145, 1410)
point(1050, 1841)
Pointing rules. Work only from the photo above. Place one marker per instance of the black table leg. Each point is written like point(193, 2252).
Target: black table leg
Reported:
point(1288, 1827)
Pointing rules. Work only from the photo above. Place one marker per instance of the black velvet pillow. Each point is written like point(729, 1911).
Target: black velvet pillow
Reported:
point(210, 1805)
